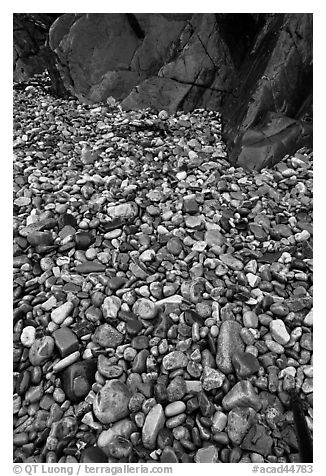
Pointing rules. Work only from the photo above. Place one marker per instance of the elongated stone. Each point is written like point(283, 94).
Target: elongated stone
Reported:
point(90, 267)
point(63, 363)
point(154, 421)
point(228, 342)
point(59, 314)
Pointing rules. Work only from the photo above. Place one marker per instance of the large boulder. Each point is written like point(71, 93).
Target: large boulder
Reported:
point(29, 39)
point(274, 77)
point(102, 55)
point(254, 68)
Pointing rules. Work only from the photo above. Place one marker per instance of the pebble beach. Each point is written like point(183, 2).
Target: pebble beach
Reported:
point(163, 299)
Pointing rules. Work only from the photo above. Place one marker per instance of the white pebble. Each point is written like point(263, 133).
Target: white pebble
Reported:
point(27, 337)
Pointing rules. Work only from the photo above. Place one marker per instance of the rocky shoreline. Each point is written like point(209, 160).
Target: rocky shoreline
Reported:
point(162, 298)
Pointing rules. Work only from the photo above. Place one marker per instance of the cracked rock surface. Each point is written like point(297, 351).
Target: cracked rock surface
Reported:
point(162, 297)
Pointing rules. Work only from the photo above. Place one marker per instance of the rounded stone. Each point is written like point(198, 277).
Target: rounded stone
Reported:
point(175, 408)
point(41, 350)
point(111, 403)
point(145, 309)
point(27, 337)
point(279, 332)
point(250, 319)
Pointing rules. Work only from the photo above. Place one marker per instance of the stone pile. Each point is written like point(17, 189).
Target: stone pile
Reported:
point(162, 298)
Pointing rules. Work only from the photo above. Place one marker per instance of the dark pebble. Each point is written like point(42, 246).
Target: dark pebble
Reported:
point(78, 379)
point(66, 341)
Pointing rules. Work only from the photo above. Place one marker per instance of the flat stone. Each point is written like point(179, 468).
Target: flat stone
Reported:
point(120, 447)
point(90, 267)
point(245, 364)
point(242, 395)
point(250, 319)
point(154, 421)
point(40, 225)
point(190, 205)
point(228, 342)
point(193, 221)
point(209, 454)
point(116, 283)
point(78, 378)
point(219, 421)
point(168, 455)
point(83, 240)
point(258, 232)
point(176, 389)
point(140, 342)
point(110, 307)
point(145, 309)
point(93, 454)
point(139, 362)
point(214, 238)
point(174, 246)
point(279, 309)
point(122, 427)
point(279, 331)
point(258, 440)
point(239, 421)
point(41, 350)
point(59, 314)
point(233, 263)
point(111, 402)
point(66, 341)
point(105, 367)
point(22, 201)
point(107, 336)
point(37, 238)
point(124, 210)
point(175, 408)
point(174, 360)
point(212, 378)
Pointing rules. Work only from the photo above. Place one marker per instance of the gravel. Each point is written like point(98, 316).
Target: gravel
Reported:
point(162, 297)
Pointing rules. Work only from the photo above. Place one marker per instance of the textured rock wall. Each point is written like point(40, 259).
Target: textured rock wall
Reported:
point(254, 68)
point(29, 37)
point(275, 77)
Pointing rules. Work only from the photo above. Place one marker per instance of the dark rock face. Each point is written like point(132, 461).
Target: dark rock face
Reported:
point(30, 33)
point(254, 68)
point(274, 77)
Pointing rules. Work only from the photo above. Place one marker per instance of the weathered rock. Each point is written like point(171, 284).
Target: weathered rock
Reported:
point(107, 336)
point(258, 440)
point(78, 378)
point(212, 378)
point(245, 364)
point(175, 360)
point(279, 332)
point(66, 341)
point(122, 427)
point(242, 395)
point(209, 454)
point(111, 403)
point(154, 421)
point(93, 454)
point(59, 314)
point(228, 342)
point(41, 350)
point(239, 421)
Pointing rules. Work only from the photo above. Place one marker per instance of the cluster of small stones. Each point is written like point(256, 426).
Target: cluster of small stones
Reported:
point(162, 298)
